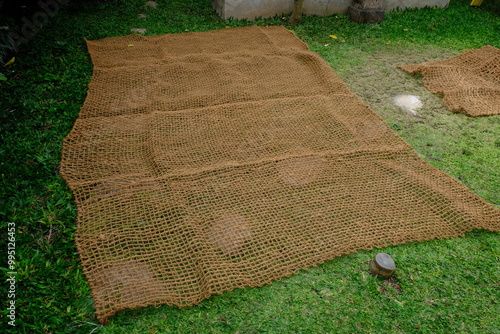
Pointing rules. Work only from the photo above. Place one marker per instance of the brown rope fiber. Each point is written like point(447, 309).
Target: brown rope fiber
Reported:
point(204, 162)
point(469, 82)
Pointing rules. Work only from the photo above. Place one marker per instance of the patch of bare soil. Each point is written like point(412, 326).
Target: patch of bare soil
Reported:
point(390, 286)
point(378, 80)
point(459, 145)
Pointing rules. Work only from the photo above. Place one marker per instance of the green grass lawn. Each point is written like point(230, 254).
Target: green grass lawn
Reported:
point(441, 286)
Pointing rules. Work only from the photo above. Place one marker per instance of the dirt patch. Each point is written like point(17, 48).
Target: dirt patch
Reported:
point(390, 286)
point(438, 134)
point(378, 80)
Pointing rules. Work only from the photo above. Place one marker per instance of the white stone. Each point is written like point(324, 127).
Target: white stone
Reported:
point(151, 4)
point(139, 30)
point(407, 102)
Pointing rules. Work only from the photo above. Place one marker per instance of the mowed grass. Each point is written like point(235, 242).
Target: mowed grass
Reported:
point(441, 286)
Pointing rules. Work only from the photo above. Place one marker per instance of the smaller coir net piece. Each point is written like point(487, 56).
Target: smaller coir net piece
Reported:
point(469, 82)
point(205, 162)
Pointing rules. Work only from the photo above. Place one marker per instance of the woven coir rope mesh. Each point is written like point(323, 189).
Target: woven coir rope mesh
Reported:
point(204, 162)
point(469, 82)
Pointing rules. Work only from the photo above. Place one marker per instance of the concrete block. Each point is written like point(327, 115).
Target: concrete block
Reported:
point(389, 5)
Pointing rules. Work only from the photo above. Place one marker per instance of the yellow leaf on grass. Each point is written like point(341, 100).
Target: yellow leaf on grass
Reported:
point(10, 62)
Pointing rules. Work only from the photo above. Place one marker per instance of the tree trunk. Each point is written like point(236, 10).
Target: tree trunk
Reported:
point(298, 6)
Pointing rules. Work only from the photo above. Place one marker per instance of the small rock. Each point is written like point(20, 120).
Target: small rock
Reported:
point(407, 102)
point(138, 30)
point(151, 4)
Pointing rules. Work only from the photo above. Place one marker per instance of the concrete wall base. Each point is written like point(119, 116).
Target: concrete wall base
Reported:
point(251, 9)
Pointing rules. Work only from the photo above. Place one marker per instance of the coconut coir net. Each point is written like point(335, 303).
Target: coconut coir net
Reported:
point(469, 82)
point(205, 162)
